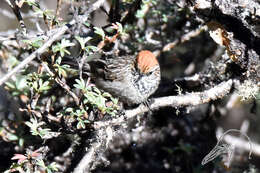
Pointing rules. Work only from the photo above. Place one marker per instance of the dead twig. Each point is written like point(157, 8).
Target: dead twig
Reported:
point(57, 13)
point(183, 39)
point(18, 15)
point(62, 84)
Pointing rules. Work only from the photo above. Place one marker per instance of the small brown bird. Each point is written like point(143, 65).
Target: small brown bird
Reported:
point(131, 79)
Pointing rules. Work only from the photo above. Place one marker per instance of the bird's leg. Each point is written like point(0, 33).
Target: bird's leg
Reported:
point(121, 111)
point(147, 103)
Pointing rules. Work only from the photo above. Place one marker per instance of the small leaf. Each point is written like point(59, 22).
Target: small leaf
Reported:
point(80, 84)
point(120, 27)
point(87, 24)
point(21, 142)
point(41, 163)
point(52, 167)
point(80, 124)
point(106, 94)
point(61, 47)
point(69, 109)
point(19, 157)
point(12, 61)
point(31, 2)
point(58, 60)
point(97, 90)
point(10, 85)
point(92, 48)
point(82, 41)
point(100, 32)
point(12, 137)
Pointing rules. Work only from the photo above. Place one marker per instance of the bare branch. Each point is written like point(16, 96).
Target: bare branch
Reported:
point(86, 161)
point(89, 160)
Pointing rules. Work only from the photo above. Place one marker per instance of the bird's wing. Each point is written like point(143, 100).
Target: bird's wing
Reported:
point(112, 67)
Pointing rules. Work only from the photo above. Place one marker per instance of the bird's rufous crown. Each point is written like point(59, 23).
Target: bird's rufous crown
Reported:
point(146, 61)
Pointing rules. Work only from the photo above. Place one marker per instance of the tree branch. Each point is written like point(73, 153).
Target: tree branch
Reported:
point(190, 99)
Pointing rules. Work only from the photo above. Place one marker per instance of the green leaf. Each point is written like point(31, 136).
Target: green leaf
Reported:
point(106, 94)
point(164, 18)
point(34, 42)
point(69, 109)
point(12, 61)
point(10, 85)
point(31, 2)
point(52, 167)
point(87, 24)
point(20, 82)
point(44, 132)
point(12, 137)
point(92, 48)
point(44, 86)
point(142, 12)
point(41, 163)
point(58, 60)
point(97, 90)
point(80, 84)
point(120, 27)
point(61, 47)
point(38, 42)
point(80, 124)
point(100, 32)
point(82, 41)
point(21, 142)
point(114, 100)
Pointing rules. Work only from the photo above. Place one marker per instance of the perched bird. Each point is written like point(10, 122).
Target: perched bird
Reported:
point(131, 79)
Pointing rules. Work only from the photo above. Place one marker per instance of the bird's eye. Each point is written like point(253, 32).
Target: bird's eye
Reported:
point(149, 73)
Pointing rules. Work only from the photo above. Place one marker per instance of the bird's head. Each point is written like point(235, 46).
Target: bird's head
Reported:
point(146, 62)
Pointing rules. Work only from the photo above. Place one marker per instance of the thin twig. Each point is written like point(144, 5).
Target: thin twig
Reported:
point(10, 15)
point(131, 12)
point(39, 51)
point(57, 13)
point(18, 15)
point(48, 43)
point(183, 39)
point(62, 84)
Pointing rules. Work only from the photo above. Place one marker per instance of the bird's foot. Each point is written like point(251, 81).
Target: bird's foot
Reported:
point(148, 103)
